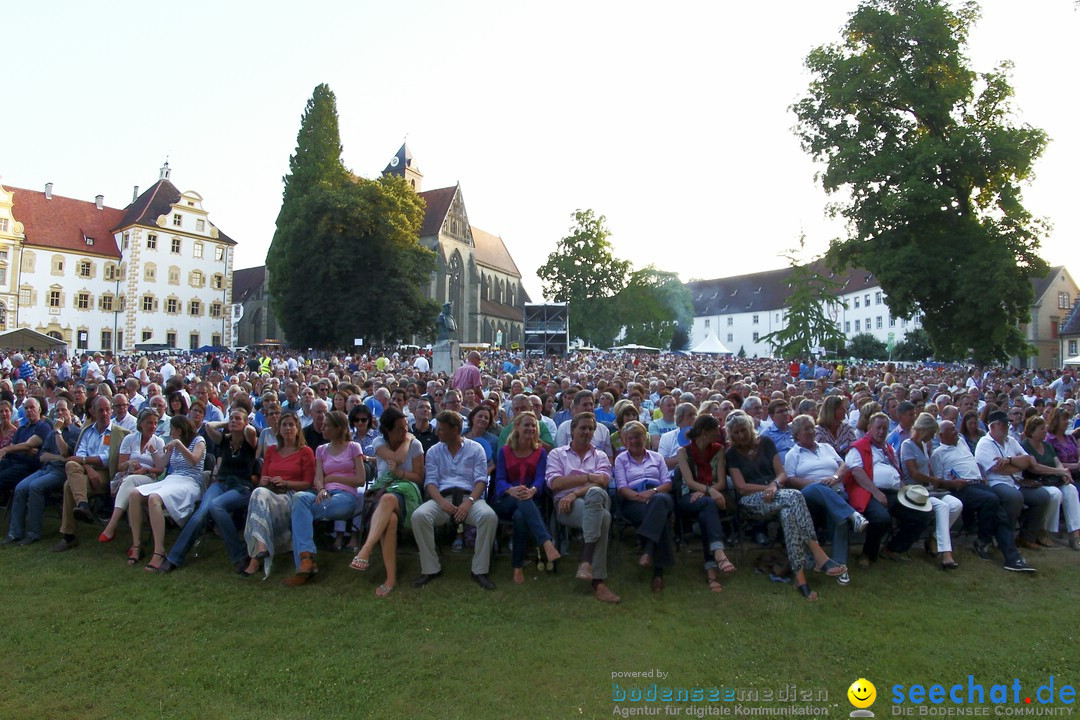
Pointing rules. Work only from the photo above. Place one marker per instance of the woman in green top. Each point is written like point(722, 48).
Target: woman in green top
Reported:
point(1059, 485)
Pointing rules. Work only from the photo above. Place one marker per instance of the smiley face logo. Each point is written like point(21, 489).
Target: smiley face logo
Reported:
point(862, 693)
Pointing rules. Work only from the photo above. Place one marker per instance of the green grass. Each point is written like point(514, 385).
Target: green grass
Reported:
point(87, 637)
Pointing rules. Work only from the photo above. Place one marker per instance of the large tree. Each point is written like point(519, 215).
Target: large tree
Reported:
point(807, 326)
point(930, 159)
point(652, 306)
point(345, 261)
point(583, 272)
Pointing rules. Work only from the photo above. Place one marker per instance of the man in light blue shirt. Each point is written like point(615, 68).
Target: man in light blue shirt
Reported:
point(455, 480)
point(88, 468)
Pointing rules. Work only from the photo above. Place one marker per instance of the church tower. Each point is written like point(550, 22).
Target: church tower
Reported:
point(402, 164)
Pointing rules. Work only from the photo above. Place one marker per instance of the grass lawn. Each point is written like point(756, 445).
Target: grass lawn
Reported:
point(88, 637)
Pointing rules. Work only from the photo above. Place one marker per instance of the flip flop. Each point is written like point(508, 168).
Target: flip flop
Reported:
point(359, 563)
point(831, 568)
point(384, 591)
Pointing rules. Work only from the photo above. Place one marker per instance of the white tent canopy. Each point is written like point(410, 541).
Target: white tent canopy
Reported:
point(1073, 361)
point(25, 338)
point(711, 345)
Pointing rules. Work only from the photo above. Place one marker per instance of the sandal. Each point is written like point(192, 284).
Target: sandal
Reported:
point(725, 566)
point(807, 592)
point(831, 568)
point(262, 555)
point(519, 576)
point(713, 584)
point(134, 554)
point(645, 560)
point(151, 567)
point(384, 591)
point(360, 563)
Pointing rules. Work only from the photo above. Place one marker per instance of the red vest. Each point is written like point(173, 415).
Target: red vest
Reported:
point(858, 496)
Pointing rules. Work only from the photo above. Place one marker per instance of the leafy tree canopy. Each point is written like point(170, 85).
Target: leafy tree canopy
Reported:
point(807, 326)
point(915, 346)
point(346, 261)
point(931, 158)
point(865, 346)
point(652, 306)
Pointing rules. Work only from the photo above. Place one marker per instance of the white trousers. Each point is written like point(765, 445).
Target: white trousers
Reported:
point(947, 510)
point(1065, 495)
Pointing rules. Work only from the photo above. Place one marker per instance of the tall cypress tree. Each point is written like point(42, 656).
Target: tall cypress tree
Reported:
point(345, 261)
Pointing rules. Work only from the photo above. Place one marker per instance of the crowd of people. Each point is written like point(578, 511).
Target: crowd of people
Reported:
point(778, 453)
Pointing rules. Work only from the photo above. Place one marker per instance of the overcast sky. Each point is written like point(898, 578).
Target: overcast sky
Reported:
point(671, 121)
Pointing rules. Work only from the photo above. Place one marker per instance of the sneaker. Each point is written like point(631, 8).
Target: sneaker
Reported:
point(843, 579)
point(1019, 565)
point(859, 522)
point(983, 551)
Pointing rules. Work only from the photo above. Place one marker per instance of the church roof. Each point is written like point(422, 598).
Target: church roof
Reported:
point(501, 310)
point(438, 204)
point(65, 223)
point(402, 159)
point(491, 251)
point(246, 281)
point(155, 202)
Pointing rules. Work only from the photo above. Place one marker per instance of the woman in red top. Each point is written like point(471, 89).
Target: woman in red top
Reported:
point(519, 476)
point(704, 477)
point(287, 468)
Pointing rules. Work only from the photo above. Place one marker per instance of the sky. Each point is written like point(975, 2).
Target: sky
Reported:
point(673, 123)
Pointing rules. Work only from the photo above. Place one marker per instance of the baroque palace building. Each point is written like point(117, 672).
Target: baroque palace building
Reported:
point(474, 272)
point(101, 278)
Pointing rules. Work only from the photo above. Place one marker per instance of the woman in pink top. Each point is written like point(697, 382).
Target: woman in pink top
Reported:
point(339, 471)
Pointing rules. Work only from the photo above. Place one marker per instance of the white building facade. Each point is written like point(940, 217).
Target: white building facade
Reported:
point(100, 278)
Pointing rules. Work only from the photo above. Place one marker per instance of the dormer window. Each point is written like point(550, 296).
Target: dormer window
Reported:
point(89, 240)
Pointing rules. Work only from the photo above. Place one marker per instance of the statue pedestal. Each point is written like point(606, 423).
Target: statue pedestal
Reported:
point(445, 357)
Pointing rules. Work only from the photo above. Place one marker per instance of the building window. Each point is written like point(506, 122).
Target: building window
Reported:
point(193, 341)
point(3, 224)
point(82, 300)
point(57, 265)
point(866, 299)
point(150, 272)
point(1064, 301)
point(856, 302)
point(127, 240)
point(892, 322)
point(200, 225)
point(110, 271)
point(707, 321)
point(219, 253)
point(903, 323)
point(177, 220)
point(4, 255)
point(122, 305)
point(151, 242)
point(24, 296)
point(54, 298)
point(878, 325)
point(107, 303)
point(170, 339)
point(215, 311)
point(148, 303)
point(755, 320)
point(218, 281)
point(755, 337)
point(856, 326)
point(877, 298)
point(730, 322)
point(730, 337)
point(174, 275)
point(146, 335)
point(83, 339)
point(1072, 348)
point(197, 278)
point(867, 326)
point(777, 317)
point(171, 305)
point(195, 307)
point(847, 326)
point(215, 339)
point(84, 268)
point(174, 246)
point(198, 248)
point(106, 340)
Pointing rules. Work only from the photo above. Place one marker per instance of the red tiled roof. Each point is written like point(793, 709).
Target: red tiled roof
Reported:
point(438, 204)
point(491, 251)
point(65, 223)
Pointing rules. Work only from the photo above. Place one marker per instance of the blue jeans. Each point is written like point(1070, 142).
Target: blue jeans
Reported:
point(305, 511)
point(216, 494)
point(823, 498)
point(221, 511)
point(30, 492)
point(527, 521)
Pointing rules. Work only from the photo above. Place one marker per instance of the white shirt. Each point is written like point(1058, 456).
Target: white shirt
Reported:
point(167, 371)
point(669, 446)
point(817, 465)
point(955, 462)
point(988, 451)
point(421, 364)
point(886, 477)
point(601, 439)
